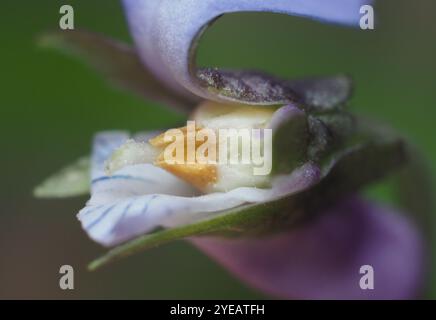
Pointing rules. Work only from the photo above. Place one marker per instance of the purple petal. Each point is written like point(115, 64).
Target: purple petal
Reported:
point(321, 260)
point(166, 31)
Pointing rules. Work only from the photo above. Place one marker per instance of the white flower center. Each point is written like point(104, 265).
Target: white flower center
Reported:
point(207, 176)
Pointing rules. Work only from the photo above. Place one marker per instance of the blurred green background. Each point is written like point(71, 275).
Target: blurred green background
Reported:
point(51, 105)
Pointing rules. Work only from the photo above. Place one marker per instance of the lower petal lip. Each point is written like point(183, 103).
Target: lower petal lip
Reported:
point(122, 207)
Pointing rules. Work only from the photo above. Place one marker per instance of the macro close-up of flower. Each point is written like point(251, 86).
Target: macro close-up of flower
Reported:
point(269, 176)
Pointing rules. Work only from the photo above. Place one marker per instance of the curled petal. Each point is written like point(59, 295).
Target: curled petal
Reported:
point(166, 34)
point(129, 203)
point(322, 260)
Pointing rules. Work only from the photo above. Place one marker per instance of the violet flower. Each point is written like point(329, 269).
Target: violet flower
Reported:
point(300, 232)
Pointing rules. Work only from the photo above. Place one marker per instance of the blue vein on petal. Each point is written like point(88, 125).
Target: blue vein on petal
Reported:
point(144, 209)
point(90, 209)
point(121, 177)
point(97, 220)
point(107, 211)
point(126, 209)
point(147, 203)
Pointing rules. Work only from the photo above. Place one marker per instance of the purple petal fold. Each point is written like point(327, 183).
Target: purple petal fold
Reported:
point(322, 259)
point(166, 31)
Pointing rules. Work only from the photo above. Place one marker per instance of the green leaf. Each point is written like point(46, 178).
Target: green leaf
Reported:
point(347, 171)
point(71, 181)
point(116, 61)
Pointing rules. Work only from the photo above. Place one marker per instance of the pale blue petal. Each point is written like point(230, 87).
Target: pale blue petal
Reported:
point(121, 209)
point(166, 31)
point(137, 180)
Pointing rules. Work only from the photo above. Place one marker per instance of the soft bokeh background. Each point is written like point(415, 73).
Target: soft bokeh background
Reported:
point(51, 105)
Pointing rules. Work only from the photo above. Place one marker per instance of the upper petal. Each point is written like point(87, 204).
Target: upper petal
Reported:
point(166, 31)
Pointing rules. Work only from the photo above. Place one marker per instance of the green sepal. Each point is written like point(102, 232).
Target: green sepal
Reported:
point(329, 132)
point(71, 181)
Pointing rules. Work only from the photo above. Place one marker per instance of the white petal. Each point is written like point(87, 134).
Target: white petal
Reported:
point(135, 181)
point(118, 212)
